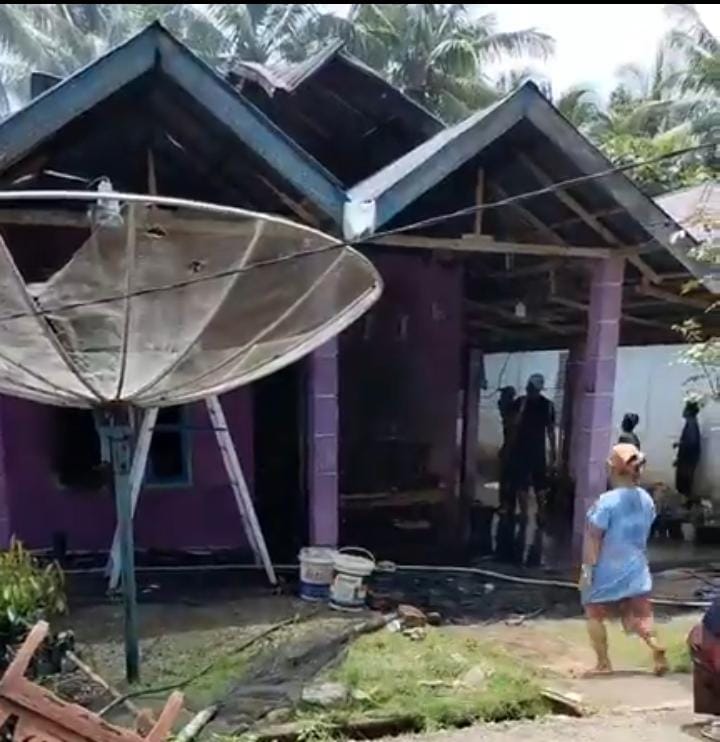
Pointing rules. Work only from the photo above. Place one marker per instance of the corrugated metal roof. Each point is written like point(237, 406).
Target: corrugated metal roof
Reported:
point(695, 208)
point(376, 184)
point(282, 75)
point(289, 76)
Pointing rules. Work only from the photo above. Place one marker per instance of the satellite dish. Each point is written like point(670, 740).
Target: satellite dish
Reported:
point(167, 301)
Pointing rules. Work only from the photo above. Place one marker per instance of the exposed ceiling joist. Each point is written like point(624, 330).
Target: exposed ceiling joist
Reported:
point(528, 320)
point(669, 296)
point(479, 200)
point(501, 332)
point(529, 270)
point(549, 234)
point(582, 307)
point(227, 227)
point(573, 220)
point(592, 221)
point(475, 244)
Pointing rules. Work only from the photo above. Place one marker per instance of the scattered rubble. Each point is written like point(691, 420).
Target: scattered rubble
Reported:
point(325, 695)
point(476, 677)
point(411, 617)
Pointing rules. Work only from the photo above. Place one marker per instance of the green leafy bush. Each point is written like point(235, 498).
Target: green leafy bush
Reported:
point(28, 592)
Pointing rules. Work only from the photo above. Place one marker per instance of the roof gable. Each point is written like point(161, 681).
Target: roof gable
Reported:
point(156, 48)
point(387, 192)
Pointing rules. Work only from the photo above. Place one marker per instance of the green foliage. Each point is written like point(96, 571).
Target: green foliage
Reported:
point(28, 591)
point(664, 175)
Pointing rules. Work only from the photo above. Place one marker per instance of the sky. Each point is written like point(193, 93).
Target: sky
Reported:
point(593, 40)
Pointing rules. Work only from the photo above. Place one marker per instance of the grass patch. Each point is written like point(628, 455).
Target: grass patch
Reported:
point(678, 654)
point(390, 675)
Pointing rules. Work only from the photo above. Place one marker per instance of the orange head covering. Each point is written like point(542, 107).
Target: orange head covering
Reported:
point(626, 459)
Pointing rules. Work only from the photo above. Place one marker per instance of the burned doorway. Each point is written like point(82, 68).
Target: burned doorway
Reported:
point(280, 489)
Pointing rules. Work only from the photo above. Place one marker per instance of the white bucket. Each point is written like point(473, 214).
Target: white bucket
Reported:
point(316, 572)
point(349, 590)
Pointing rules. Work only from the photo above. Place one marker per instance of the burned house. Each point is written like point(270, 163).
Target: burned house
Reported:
point(375, 432)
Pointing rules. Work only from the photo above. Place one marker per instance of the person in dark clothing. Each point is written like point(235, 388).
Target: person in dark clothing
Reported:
point(688, 451)
point(627, 430)
point(534, 427)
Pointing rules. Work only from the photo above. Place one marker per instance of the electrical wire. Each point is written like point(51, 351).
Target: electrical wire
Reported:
point(561, 185)
point(92, 196)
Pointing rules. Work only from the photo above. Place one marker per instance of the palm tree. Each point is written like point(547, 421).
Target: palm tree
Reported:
point(700, 76)
point(436, 53)
point(579, 104)
point(644, 101)
point(60, 38)
point(699, 47)
point(57, 39)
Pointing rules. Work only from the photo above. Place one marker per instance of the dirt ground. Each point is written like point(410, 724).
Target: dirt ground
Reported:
point(560, 647)
point(208, 629)
point(181, 640)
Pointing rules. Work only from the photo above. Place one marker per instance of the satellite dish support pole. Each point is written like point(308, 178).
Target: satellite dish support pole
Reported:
point(137, 474)
point(120, 439)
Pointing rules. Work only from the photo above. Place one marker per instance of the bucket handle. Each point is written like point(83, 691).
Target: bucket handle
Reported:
point(358, 550)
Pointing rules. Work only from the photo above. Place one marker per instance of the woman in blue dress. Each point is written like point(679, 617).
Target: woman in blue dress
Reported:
point(615, 578)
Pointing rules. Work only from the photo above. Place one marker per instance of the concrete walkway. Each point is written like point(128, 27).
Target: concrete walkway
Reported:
point(630, 692)
point(672, 726)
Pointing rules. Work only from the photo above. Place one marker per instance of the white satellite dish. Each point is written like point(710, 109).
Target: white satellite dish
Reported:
point(167, 301)
point(159, 306)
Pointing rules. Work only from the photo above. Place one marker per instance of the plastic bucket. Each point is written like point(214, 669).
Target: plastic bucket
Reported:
point(316, 572)
point(352, 567)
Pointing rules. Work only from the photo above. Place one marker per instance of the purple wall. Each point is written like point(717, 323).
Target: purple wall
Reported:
point(203, 514)
point(400, 376)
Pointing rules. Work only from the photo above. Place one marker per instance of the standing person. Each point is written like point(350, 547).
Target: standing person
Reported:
point(627, 429)
point(534, 426)
point(615, 577)
point(688, 450)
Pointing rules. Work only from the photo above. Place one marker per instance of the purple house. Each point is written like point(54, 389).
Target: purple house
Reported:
point(382, 421)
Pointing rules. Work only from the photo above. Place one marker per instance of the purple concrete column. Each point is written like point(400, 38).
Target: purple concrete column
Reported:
point(473, 381)
point(571, 405)
point(5, 524)
point(323, 498)
point(592, 428)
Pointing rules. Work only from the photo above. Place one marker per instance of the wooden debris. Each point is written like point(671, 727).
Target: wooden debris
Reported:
point(565, 703)
point(191, 730)
point(43, 716)
point(520, 620)
point(99, 680)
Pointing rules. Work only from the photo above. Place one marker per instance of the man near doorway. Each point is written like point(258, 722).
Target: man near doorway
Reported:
point(534, 438)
